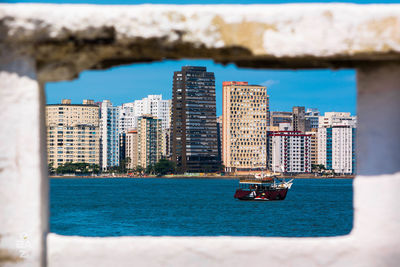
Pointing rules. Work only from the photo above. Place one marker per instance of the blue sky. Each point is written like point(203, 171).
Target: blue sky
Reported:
point(323, 89)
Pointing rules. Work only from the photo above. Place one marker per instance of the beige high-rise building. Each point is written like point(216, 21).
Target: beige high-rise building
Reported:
point(131, 148)
point(149, 144)
point(245, 120)
point(73, 132)
point(314, 145)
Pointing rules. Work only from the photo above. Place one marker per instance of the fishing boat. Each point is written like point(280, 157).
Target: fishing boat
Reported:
point(264, 186)
point(263, 189)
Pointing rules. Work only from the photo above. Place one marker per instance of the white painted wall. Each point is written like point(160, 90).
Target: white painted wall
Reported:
point(23, 163)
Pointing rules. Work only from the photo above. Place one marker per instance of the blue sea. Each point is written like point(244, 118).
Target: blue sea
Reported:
point(196, 207)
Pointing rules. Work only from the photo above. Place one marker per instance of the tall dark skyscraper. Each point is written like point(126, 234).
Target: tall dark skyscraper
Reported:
point(299, 119)
point(193, 120)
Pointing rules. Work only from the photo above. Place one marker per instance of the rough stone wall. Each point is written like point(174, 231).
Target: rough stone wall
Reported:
point(66, 40)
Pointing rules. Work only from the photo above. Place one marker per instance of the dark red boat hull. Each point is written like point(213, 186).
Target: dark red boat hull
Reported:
point(270, 194)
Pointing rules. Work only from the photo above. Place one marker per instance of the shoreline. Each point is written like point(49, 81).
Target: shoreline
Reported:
point(196, 177)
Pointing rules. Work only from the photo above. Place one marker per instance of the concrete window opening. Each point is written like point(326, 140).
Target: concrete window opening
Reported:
point(328, 209)
point(44, 43)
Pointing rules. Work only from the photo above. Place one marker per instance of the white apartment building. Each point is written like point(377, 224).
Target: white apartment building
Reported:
point(336, 149)
point(289, 152)
point(336, 118)
point(336, 142)
point(109, 135)
point(127, 119)
point(156, 106)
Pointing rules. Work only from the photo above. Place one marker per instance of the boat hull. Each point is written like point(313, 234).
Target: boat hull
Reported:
point(261, 195)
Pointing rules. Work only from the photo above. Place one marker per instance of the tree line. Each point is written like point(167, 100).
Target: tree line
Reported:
point(162, 167)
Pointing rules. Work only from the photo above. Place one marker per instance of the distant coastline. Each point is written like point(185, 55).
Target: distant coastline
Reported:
point(202, 177)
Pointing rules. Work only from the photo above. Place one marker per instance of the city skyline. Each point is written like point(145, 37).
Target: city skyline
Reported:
point(323, 89)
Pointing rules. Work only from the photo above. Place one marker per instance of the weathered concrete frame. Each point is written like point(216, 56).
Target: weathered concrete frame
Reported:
point(40, 43)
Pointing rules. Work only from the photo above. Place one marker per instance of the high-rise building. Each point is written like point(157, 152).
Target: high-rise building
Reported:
point(149, 144)
point(166, 143)
point(156, 106)
point(278, 117)
point(159, 108)
point(289, 151)
point(337, 118)
point(336, 142)
point(314, 145)
point(312, 118)
point(131, 149)
point(194, 125)
point(109, 135)
point(73, 133)
point(245, 119)
point(127, 118)
point(219, 137)
point(122, 146)
point(299, 120)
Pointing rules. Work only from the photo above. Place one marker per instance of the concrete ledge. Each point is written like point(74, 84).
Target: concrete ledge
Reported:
point(66, 39)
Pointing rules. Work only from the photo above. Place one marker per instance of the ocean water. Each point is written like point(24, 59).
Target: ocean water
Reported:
point(197, 207)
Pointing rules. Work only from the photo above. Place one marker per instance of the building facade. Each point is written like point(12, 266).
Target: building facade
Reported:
point(161, 109)
point(109, 135)
point(312, 119)
point(245, 120)
point(337, 118)
point(314, 145)
point(127, 118)
point(155, 106)
point(336, 142)
point(131, 149)
point(278, 117)
point(149, 144)
point(194, 145)
point(73, 133)
point(299, 119)
point(289, 152)
point(219, 137)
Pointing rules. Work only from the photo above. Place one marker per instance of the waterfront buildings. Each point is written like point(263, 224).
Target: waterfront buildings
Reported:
point(337, 118)
point(155, 106)
point(245, 120)
point(194, 145)
point(149, 140)
point(336, 142)
point(312, 118)
point(131, 149)
point(219, 137)
point(72, 133)
point(278, 117)
point(299, 120)
point(109, 135)
point(122, 146)
point(314, 145)
point(127, 118)
point(289, 152)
